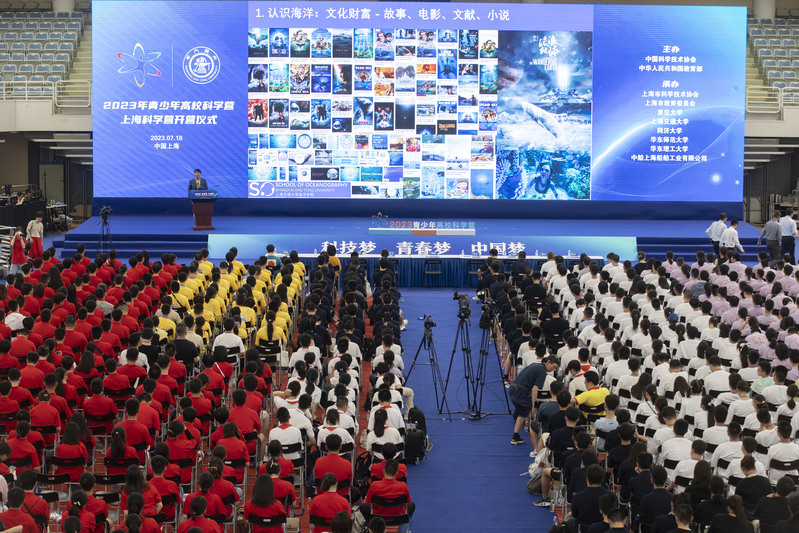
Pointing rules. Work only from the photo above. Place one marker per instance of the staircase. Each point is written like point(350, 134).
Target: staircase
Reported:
point(80, 70)
point(754, 76)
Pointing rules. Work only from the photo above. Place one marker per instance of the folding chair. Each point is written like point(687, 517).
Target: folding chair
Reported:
point(396, 502)
point(271, 521)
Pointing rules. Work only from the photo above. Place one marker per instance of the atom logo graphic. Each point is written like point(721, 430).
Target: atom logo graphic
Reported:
point(139, 63)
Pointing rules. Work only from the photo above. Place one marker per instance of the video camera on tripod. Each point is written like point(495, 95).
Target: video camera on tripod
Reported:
point(490, 311)
point(464, 305)
point(428, 321)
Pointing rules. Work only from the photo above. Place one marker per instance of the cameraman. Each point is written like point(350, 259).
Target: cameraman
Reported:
point(18, 257)
point(523, 392)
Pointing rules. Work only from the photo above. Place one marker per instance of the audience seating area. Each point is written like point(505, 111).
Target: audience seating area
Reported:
point(36, 48)
point(676, 387)
point(185, 359)
point(774, 46)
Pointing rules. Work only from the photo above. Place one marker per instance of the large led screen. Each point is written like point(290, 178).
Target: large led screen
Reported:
point(419, 101)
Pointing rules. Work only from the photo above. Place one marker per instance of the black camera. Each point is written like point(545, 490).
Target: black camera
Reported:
point(464, 305)
point(428, 322)
point(105, 211)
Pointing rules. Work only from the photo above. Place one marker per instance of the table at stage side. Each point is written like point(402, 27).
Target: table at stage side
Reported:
point(457, 270)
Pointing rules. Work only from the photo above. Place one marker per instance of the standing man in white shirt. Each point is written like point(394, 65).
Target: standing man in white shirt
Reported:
point(729, 241)
point(788, 227)
point(715, 231)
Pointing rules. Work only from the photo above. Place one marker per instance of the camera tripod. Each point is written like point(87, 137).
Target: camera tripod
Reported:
point(462, 337)
point(105, 242)
point(478, 384)
point(428, 344)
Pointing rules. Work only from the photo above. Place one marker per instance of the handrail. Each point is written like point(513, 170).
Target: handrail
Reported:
point(763, 99)
point(73, 93)
point(63, 93)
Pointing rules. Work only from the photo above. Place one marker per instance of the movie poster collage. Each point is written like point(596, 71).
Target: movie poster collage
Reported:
point(399, 113)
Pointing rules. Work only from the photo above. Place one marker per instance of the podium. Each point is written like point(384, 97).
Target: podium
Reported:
point(202, 207)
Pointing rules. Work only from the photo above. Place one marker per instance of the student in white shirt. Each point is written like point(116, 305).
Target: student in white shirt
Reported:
point(785, 450)
point(685, 468)
point(741, 407)
point(727, 451)
point(285, 433)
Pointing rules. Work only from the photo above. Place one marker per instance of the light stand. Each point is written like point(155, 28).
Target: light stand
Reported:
point(428, 344)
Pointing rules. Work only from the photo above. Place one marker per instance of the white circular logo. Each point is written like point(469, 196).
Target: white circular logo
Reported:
point(201, 65)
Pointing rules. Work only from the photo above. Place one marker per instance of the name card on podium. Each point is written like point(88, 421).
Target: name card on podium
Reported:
point(207, 194)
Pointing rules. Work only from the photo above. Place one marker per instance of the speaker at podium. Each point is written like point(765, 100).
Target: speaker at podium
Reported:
point(202, 207)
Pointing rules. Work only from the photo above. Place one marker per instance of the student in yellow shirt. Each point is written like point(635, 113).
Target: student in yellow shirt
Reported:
point(270, 331)
point(294, 257)
point(236, 266)
point(179, 301)
point(276, 306)
point(227, 273)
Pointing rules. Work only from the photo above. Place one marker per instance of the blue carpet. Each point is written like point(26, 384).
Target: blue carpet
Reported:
point(470, 480)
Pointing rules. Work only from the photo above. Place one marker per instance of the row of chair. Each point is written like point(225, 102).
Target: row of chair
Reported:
point(11, 38)
point(41, 26)
point(61, 16)
point(21, 87)
point(773, 23)
point(774, 43)
point(771, 33)
point(26, 71)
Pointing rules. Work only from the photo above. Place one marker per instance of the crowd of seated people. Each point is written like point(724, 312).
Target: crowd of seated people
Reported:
point(180, 394)
point(658, 395)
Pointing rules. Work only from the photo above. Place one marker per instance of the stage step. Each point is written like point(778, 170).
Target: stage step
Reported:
point(129, 245)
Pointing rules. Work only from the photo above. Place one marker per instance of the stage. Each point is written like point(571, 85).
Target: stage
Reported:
point(411, 242)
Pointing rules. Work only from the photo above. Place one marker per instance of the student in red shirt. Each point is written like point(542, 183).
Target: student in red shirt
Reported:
point(114, 381)
point(21, 346)
point(87, 368)
point(335, 464)
point(21, 447)
point(67, 391)
point(120, 450)
point(58, 402)
point(201, 404)
point(214, 506)
point(223, 488)
point(274, 451)
point(43, 327)
point(45, 416)
point(164, 486)
point(138, 436)
point(31, 377)
point(8, 407)
point(182, 446)
point(389, 452)
point(264, 504)
point(172, 471)
point(98, 406)
point(7, 361)
point(36, 506)
point(221, 417)
point(284, 490)
point(135, 482)
point(149, 415)
point(71, 447)
point(15, 515)
point(20, 394)
point(388, 487)
point(197, 519)
point(77, 509)
point(247, 420)
point(75, 340)
point(43, 364)
point(130, 369)
point(328, 503)
point(95, 506)
point(236, 449)
point(137, 521)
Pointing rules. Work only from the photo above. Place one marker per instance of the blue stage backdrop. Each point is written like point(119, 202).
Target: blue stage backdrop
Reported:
point(325, 107)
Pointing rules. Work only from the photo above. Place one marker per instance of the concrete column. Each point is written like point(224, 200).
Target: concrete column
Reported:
point(765, 9)
point(69, 6)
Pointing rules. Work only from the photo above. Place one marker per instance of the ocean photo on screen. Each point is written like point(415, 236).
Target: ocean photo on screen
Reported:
point(544, 115)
